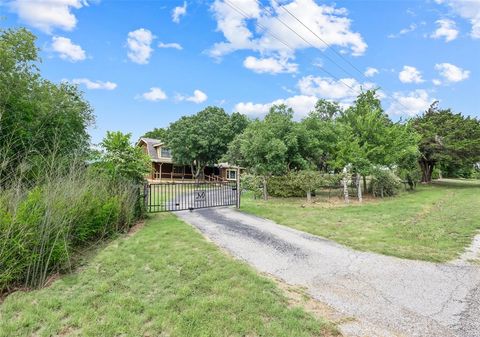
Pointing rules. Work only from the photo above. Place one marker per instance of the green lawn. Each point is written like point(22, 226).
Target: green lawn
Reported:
point(434, 223)
point(165, 280)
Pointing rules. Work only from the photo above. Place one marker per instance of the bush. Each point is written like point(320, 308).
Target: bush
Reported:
point(436, 173)
point(384, 183)
point(411, 176)
point(44, 225)
point(252, 183)
point(284, 186)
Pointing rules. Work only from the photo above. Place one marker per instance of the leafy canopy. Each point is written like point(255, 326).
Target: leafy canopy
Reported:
point(447, 138)
point(201, 139)
point(269, 146)
point(38, 119)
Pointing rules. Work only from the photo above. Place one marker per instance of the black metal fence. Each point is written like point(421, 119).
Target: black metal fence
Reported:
point(167, 197)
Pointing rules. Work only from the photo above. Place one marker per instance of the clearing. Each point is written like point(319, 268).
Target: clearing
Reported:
point(432, 223)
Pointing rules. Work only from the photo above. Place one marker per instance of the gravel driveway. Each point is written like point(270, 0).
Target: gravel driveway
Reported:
point(387, 296)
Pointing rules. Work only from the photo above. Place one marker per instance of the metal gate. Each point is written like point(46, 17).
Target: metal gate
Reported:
point(167, 197)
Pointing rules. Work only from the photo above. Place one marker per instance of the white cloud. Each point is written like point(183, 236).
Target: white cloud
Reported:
point(410, 104)
point(344, 90)
point(404, 31)
point(301, 105)
point(67, 49)
point(410, 74)
point(139, 45)
point(155, 94)
point(469, 10)
point(330, 23)
point(370, 72)
point(450, 73)
point(197, 97)
point(47, 14)
point(446, 29)
point(170, 45)
point(93, 85)
point(269, 65)
point(178, 12)
point(311, 89)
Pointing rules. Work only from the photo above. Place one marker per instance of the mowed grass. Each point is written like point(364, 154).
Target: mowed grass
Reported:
point(165, 280)
point(433, 223)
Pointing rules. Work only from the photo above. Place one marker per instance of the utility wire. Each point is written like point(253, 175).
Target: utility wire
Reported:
point(290, 47)
point(320, 38)
point(241, 12)
point(301, 37)
point(326, 43)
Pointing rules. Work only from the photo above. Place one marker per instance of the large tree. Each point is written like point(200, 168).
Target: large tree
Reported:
point(41, 123)
point(201, 139)
point(258, 149)
point(327, 110)
point(380, 142)
point(157, 133)
point(447, 138)
point(319, 137)
point(270, 146)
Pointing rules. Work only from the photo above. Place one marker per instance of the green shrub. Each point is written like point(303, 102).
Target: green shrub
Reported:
point(43, 227)
point(252, 183)
point(411, 176)
point(284, 186)
point(436, 173)
point(11, 248)
point(384, 183)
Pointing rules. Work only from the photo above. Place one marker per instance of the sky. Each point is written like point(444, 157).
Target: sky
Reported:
point(144, 64)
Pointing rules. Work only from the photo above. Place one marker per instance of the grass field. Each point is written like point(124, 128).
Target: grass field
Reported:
point(433, 223)
point(164, 280)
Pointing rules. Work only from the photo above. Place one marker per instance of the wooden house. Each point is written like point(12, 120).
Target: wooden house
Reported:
point(164, 169)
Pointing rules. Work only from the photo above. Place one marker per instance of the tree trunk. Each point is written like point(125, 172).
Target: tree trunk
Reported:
point(309, 196)
point(365, 184)
point(345, 185)
point(265, 193)
point(359, 188)
point(427, 169)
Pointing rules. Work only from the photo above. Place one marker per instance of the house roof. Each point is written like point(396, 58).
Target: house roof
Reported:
point(151, 145)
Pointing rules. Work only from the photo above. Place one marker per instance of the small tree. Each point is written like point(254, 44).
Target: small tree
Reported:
point(308, 181)
point(120, 160)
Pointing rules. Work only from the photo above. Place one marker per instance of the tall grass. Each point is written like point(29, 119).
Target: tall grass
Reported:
point(43, 223)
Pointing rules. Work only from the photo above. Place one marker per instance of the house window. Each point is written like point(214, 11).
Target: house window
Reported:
point(231, 174)
point(165, 152)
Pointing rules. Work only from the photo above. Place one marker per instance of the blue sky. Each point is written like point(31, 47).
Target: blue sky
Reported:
point(144, 64)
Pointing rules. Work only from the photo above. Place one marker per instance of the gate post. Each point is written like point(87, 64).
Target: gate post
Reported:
point(238, 188)
point(145, 195)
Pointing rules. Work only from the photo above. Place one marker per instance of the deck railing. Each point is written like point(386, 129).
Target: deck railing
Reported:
point(172, 176)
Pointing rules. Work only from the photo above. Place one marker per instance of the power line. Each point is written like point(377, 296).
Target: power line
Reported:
point(286, 44)
point(241, 12)
point(320, 38)
point(301, 37)
point(328, 45)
